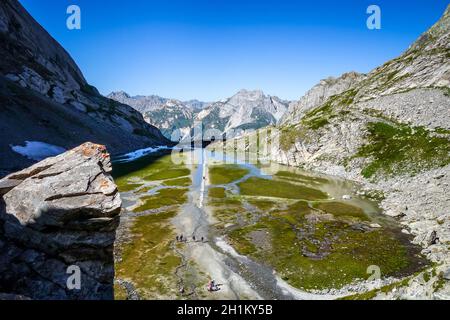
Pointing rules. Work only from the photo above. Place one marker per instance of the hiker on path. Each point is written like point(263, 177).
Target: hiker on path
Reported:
point(210, 286)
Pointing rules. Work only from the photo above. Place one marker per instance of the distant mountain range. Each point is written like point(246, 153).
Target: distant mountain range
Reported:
point(244, 111)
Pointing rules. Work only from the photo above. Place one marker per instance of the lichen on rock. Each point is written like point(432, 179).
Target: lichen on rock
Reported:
point(60, 212)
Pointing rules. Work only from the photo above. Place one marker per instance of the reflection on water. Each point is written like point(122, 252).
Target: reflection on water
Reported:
point(293, 228)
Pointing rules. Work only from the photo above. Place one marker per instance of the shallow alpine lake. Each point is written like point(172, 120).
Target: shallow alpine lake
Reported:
point(260, 231)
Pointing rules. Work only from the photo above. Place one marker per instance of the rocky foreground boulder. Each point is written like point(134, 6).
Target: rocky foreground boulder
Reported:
point(56, 218)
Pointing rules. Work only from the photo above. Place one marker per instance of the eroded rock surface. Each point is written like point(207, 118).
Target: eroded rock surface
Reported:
point(58, 213)
point(319, 94)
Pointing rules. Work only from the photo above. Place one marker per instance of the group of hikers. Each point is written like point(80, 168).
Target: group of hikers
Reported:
point(213, 286)
point(182, 238)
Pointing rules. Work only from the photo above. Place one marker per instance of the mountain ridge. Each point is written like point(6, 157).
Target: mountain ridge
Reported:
point(247, 109)
point(320, 93)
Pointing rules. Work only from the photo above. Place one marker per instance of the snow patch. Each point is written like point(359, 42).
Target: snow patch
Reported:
point(140, 153)
point(203, 114)
point(36, 150)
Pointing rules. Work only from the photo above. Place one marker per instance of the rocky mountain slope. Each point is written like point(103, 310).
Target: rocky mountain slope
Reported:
point(171, 116)
point(145, 104)
point(246, 110)
point(319, 94)
point(44, 97)
point(390, 131)
point(59, 213)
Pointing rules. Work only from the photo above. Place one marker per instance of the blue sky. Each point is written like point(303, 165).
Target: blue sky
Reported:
point(209, 49)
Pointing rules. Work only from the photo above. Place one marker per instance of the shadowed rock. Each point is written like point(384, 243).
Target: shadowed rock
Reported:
point(60, 212)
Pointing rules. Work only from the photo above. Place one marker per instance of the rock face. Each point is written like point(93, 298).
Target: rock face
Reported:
point(45, 98)
point(246, 110)
point(319, 94)
point(59, 213)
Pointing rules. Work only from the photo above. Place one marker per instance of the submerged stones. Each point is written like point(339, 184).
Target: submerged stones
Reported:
point(314, 242)
point(147, 256)
point(224, 174)
point(255, 186)
point(149, 261)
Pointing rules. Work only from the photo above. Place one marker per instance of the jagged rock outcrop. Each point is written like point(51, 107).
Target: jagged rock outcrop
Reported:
point(173, 117)
point(58, 213)
point(44, 97)
point(147, 104)
point(143, 104)
point(246, 110)
point(319, 94)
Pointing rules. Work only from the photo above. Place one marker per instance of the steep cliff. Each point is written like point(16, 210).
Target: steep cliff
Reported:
point(44, 97)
